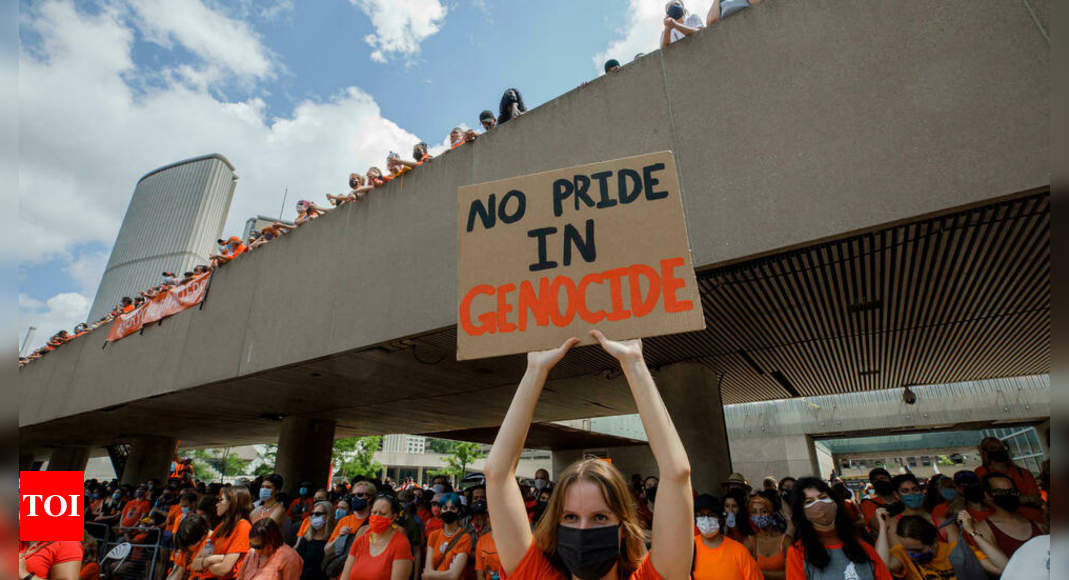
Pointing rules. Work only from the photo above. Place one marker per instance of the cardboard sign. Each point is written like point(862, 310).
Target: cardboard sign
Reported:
point(552, 255)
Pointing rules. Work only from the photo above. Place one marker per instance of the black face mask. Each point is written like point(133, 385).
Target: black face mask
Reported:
point(651, 494)
point(589, 553)
point(1000, 456)
point(358, 504)
point(883, 487)
point(450, 517)
point(1009, 503)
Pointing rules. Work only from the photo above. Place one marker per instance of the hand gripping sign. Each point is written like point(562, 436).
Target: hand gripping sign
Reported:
point(552, 255)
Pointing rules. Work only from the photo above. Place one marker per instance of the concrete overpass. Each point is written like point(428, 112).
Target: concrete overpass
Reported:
point(866, 189)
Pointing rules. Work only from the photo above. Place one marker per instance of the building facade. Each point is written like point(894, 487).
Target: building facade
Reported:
point(175, 216)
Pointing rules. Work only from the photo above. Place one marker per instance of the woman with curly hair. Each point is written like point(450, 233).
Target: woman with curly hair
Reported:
point(511, 106)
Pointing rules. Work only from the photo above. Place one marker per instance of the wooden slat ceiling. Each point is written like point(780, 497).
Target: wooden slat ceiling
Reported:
point(958, 297)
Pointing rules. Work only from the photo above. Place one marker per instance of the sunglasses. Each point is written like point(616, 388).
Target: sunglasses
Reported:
point(319, 513)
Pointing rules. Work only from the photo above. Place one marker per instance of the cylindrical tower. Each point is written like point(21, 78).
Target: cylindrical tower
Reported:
point(174, 219)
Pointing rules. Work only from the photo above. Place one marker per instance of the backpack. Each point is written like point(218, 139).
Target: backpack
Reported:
point(334, 562)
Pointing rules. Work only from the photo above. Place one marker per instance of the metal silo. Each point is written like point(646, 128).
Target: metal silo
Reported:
point(175, 216)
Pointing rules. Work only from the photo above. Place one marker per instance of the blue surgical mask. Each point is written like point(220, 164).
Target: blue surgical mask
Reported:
point(339, 514)
point(265, 494)
point(185, 511)
point(729, 519)
point(913, 500)
point(116, 495)
point(303, 491)
point(949, 493)
point(317, 522)
point(762, 522)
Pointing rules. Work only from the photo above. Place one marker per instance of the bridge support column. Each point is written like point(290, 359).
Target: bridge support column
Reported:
point(26, 460)
point(150, 458)
point(73, 458)
point(691, 393)
point(305, 447)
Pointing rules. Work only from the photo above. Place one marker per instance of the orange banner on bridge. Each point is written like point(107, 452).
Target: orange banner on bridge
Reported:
point(161, 306)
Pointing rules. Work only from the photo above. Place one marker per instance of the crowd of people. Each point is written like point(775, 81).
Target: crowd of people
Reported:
point(590, 523)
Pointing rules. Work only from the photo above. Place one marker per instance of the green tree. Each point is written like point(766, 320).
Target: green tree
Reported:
point(209, 464)
point(443, 446)
point(357, 456)
point(268, 460)
point(457, 462)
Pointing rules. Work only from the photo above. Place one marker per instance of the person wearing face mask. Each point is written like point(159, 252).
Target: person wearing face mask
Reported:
point(912, 497)
point(384, 552)
point(1008, 528)
point(230, 539)
point(827, 546)
point(311, 544)
point(135, 509)
point(679, 23)
point(189, 539)
point(885, 497)
point(736, 518)
point(941, 495)
point(302, 504)
point(487, 564)
point(364, 493)
point(768, 545)
point(434, 522)
point(269, 506)
point(590, 529)
point(449, 548)
point(920, 554)
point(540, 507)
point(717, 556)
point(995, 458)
point(269, 557)
point(541, 480)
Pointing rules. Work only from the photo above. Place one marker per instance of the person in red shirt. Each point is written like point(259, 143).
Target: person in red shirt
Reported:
point(383, 553)
point(826, 538)
point(50, 560)
point(590, 528)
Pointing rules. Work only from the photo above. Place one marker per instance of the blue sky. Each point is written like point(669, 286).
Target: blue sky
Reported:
point(296, 94)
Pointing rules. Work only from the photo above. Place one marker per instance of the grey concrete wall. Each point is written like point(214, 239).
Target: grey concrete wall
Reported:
point(791, 122)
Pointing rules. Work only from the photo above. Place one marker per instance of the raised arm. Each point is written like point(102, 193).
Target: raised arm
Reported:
point(883, 541)
point(673, 515)
point(996, 559)
point(508, 516)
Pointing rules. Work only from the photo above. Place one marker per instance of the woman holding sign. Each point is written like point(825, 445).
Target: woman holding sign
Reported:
point(590, 529)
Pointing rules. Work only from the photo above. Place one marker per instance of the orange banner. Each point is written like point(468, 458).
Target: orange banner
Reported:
point(161, 306)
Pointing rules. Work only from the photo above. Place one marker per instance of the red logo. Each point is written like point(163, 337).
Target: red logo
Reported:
point(50, 506)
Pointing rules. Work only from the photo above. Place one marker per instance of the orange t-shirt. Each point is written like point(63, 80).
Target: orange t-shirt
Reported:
point(133, 511)
point(796, 561)
point(536, 566)
point(351, 521)
point(1023, 479)
point(728, 561)
point(437, 541)
point(40, 562)
point(184, 559)
point(368, 567)
point(486, 558)
point(90, 571)
point(236, 543)
point(174, 516)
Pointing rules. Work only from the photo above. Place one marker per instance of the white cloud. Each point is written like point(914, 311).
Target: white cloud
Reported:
point(225, 45)
point(86, 270)
point(642, 33)
point(82, 151)
point(60, 312)
point(400, 25)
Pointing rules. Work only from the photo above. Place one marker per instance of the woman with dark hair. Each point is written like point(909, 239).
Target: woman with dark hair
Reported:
point(768, 544)
point(384, 552)
point(717, 556)
point(449, 548)
point(737, 517)
point(269, 557)
point(847, 497)
point(511, 106)
point(420, 154)
point(590, 529)
point(221, 556)
point(827, 545)
point(206, 510)
point(189, 539)
point(919, 554)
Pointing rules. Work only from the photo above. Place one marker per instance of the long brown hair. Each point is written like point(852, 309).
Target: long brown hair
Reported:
point(617, 496)
point(240, 503)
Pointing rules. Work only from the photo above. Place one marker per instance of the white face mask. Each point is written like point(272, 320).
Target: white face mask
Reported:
point(540, 484)
point(708, 525)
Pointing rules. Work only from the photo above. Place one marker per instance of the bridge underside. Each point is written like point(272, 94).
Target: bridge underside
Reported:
point(946, 298)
